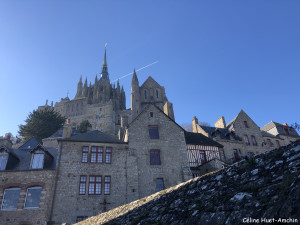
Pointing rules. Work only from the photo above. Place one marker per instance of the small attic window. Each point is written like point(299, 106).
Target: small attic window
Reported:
point(246, 124)
point(156, 93)
point(151, 114)
point(37, 161)
point(3, 160)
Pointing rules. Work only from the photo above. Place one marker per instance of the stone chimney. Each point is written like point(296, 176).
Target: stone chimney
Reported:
point(124, 121)
point(220, 123)
point(67, 131)
point(195, 124)
point(6, 142)
point(168, 110)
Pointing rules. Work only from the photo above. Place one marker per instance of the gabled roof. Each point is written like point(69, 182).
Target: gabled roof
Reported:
point(30, 144)
point(146, 108)
point(228, 125)
point(149, 80)
point(94, 136)
point(199, 139)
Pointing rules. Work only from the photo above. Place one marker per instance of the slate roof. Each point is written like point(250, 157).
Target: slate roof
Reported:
point(30, 144)
point(199, 139)
point(279, 127)
point(94, 136)
point(20, 159)
point(59, 133)
point(224, 132)
point(266, 134)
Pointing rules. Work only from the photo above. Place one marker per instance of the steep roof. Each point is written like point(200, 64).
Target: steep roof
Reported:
point(30, 144)
point(279, 127)
point(93, 136)
point(149, 80)
point(200, 139)
point(224, 132)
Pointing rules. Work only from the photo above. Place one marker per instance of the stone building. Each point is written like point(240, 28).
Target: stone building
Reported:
point(26, 183)
point(241, 137)
point(276, 134)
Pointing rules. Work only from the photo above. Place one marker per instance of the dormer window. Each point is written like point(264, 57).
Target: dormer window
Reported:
point(37, 161)
point(3, 161)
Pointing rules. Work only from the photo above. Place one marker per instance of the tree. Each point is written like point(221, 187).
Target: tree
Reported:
point(83, 126)
point(41, 124)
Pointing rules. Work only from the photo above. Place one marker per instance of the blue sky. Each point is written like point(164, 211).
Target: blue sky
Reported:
point(215, 57)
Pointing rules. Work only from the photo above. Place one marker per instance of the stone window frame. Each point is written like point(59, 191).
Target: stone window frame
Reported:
point(153, 161)
point(3, 198)
point(253, 140)
point(85, 154)
point(152, 132)
point(82, 182)
point(246, 139)
point(108, 155)
point(246, 124)
point(33, 187)
point(99, 154)
point(107, 185)
point(95, 184)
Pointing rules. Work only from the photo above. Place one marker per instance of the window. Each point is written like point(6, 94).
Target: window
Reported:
point(202, 156)
point(81, 218)
point(37, 161)
point(160, 184)
point(156, 93)
point(11, 198)
point(107, 185)
point(108, 155)
point(3, 161)
point(82, 185)
point(95, 185)
point(277, 143)
point(33, 196)
point(145, 92)
point(97, 155)
point(154, 157)
point(270, 144)
point(151, 114)
point(286, 129)
point(246, 140)
point(153, 132)
point(236, 155)
point(253, 140)
point(246, 124)
point(85, 152)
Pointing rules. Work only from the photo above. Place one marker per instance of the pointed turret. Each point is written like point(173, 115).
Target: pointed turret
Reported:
point(104, 71)
point(85, 89)
point(79, 88)
point(135, 95)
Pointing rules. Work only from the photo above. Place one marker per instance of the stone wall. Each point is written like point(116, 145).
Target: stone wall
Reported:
point(172, 147)
point(265, 189)
point(69, 204)
point(24, 180)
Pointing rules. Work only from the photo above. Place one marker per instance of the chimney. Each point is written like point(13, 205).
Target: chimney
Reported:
point(67, 131)
point(195, 124)
point(220, 123)
point(124, 121)
point(168, 110)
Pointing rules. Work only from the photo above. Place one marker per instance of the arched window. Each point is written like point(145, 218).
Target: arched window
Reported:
point(33, 196)
point(11, 198)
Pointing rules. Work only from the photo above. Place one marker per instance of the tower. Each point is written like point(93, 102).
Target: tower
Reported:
point(135, 96)
point(104, 71)
point(79, 88)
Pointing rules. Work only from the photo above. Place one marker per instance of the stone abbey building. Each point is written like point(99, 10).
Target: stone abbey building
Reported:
point(128, 154)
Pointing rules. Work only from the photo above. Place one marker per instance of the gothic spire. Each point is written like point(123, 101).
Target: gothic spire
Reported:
point(134, 78)
point(104, 71)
